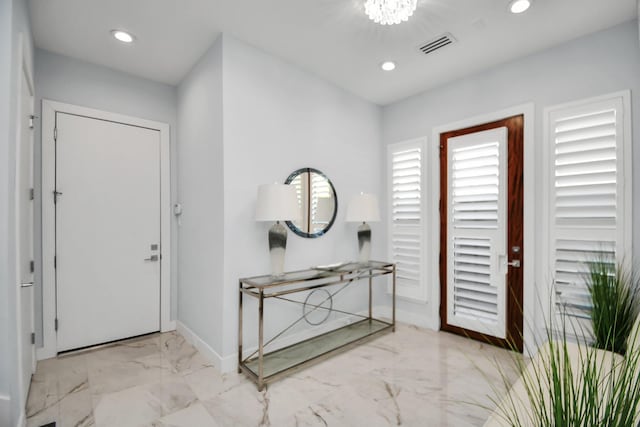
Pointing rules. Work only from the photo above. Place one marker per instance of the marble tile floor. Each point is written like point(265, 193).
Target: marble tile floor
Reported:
point(414, 377)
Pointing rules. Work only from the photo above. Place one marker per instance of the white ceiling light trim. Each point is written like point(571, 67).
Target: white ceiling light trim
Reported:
point(388, 65)
point(123, 36)
point(389, 12)
point(519, 6)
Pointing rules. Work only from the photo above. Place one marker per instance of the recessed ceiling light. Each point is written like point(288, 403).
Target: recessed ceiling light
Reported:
point(388, 65)
point(519, 6)
point(123, 36)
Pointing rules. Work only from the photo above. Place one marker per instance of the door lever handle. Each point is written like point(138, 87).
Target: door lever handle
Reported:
point(152, 258)
point(515, 263)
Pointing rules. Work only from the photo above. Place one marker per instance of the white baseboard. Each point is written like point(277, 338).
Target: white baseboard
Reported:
point(22, 421)
point(222, 364)
point(169, 326)
point(5, 410)
point(422, 321)
point(229, 364)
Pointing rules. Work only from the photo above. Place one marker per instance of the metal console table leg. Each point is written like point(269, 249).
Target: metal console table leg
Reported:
point(261, 341)
point(240, 327)
point(370, 296)
point(393, 304)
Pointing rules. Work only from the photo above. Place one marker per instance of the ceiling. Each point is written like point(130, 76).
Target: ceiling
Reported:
point(330, 38)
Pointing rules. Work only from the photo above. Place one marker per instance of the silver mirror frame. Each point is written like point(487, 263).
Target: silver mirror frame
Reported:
point(322, 232)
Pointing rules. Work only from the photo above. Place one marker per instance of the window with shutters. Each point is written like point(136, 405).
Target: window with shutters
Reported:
point(588, 155)
point(406, 217)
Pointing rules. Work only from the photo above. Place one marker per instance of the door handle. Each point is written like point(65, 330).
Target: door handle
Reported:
point(152, 258)
point(515, 263)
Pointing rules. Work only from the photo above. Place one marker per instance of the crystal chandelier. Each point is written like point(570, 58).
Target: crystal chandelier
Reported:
point(388, 12)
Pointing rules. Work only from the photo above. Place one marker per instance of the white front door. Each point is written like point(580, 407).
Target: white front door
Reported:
point(477, 232)
point(107, 231)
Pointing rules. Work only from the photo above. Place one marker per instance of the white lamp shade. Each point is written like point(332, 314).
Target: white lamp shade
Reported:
point(277, 202)
point(363, 208)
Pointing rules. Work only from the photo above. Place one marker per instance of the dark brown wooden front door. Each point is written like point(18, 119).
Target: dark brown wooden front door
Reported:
point(481, 245)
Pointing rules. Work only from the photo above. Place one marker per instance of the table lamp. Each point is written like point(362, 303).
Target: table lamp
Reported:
point(363, 208)
point(277, 202)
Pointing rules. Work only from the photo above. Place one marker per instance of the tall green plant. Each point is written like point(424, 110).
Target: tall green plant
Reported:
point(571, 384)
point(614, 298)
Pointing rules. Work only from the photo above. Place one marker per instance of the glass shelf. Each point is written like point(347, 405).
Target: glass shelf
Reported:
point(289, 357)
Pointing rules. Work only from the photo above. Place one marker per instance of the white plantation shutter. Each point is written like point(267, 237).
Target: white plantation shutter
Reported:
point(587, 203)
point(474, 295)
point(475, 181)
point(476, 231)
point(571, 293)
point(406, 217)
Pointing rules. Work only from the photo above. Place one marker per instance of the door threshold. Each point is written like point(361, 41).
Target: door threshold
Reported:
point(114, 343)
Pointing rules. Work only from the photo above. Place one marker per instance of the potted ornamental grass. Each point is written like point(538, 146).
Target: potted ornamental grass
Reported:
point(575, 382)
point(613, 289)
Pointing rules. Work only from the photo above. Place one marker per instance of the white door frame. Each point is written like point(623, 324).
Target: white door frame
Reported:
point(530, 296)
point(49, 109)
point(25, 74)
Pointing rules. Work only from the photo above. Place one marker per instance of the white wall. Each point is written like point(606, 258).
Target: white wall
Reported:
point(5, 89)
point(15, 38)
point(279, 118)
point(247, 118)
point(597, 64)
point(201, 189)
point(64, 79)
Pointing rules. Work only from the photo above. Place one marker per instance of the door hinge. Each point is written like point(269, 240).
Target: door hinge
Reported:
point(55, 134)
point(32, 266)
point(33, 337)
point(56, 324)
point(55, 261)
point(32, 193)
point(31, 119)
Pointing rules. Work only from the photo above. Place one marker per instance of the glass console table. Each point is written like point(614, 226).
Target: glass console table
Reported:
point(263, 366)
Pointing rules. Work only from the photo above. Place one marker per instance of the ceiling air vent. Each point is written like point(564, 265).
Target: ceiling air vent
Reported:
point(437, 43)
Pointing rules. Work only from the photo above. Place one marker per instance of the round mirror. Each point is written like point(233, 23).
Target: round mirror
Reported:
point(317, 201)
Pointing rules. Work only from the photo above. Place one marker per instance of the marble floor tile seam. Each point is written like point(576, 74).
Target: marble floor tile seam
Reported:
point(143, 403)
point(445, 375)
